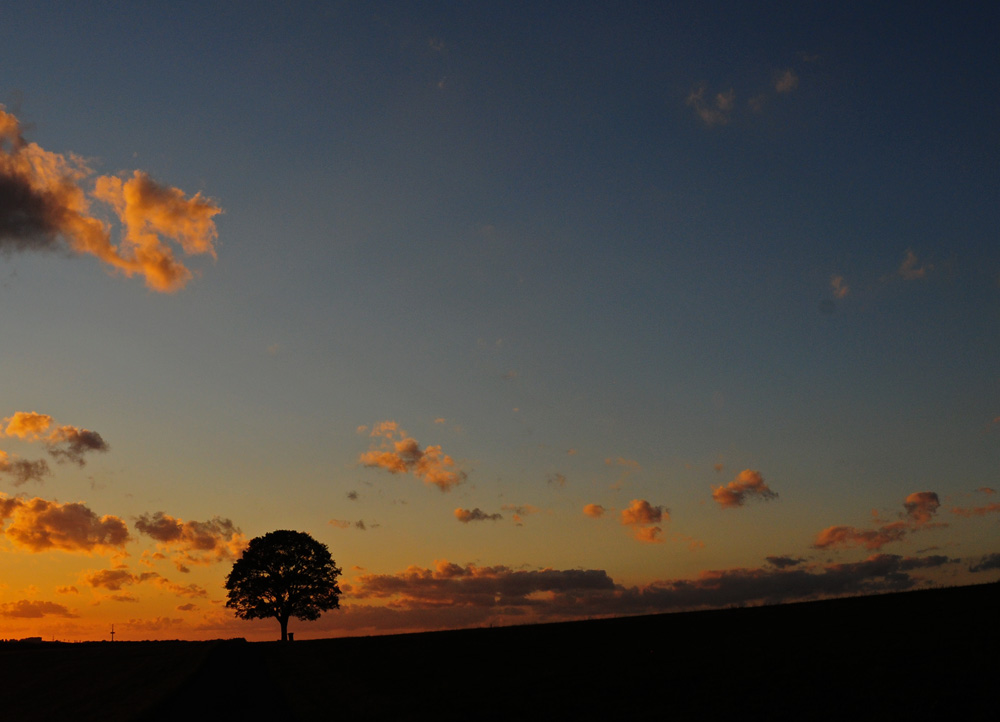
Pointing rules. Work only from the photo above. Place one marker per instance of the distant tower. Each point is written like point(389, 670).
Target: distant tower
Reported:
point(112, 632)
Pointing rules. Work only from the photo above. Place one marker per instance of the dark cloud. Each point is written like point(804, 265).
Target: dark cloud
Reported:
point(784, 562)
point(31, 609)
point(987, 563)
point(23, 470)
point(477, 514)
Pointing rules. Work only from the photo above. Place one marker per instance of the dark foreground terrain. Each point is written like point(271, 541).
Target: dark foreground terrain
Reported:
point(916, 655)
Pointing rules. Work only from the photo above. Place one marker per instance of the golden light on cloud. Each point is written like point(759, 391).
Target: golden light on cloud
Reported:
point(399, 453)
point(44, 206)
point(39, 525)
point(747, 485)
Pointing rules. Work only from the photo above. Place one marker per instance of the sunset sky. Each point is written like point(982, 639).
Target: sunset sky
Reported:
point(529, 311)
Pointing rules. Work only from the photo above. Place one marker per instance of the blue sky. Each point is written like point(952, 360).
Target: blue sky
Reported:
point(593, 253)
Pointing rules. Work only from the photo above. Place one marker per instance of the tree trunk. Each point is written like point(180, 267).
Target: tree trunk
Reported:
point(284, 628)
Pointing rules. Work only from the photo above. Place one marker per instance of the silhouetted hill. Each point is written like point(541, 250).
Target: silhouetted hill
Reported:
point(917, 655)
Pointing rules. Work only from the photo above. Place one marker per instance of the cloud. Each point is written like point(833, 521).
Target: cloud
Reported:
point(919, 509)
point(193, 542)
point(911, 269)
point(345, 524)
point(715, 110)
point(116, 579)
point(786, 82)
point(921, 506)
point(28, 425)
point(784, 562)
point(477, 514)
point(991, 508)
point(23, 470)
point(64, 443)
point(30, 609)
point(640, 511)
point(39, 525)
point(398, 453)
point(987, 563)
point(557, 480)
point(748, 484)
point(594, 511)
point(519, 511)
point(839, 287)
point(44, 207)
point(451, 595)
point(642, 515)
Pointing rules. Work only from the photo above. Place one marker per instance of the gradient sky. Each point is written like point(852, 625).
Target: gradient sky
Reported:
point(527, 311)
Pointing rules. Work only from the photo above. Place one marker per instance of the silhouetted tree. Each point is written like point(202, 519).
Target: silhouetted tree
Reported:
point(283, 574)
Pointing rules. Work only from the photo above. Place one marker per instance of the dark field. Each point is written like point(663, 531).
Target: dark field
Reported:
point(916, 655)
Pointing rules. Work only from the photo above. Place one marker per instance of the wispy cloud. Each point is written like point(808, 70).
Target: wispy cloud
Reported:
point(919, 509)
point(911, 269)
point(594, 511)
point(397, 453)
point(44, 206)
point(23, 470)
point(712, 109)
point(786, 81)
point(839, 287)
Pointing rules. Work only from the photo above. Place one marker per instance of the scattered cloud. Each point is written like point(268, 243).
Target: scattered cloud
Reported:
point(991, 508)
point(839, 287)
point(23, 470)
point(31, 609)
point(44, 207)
point(556, 480)
point(911, 268)
point(786, 82)
point(747, 485)
point(64, 443)
point(519, 511)
point(398, 453)
point(919, 510)
point(642, 515)
point(39, 525)
point(477, 514)
point(193, 542)
point(714, 110)
point(784, 562)
point(595, 511)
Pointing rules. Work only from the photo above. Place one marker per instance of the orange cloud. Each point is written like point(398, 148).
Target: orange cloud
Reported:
point(403, 455)
point(477, 514)
point(991, 508)
point(748, 484)
point(43, 205)
point(30, 609)
point(640, 511)
point(919, 508)
point(39, 525)
point(595, 511)
point(643, 516)
point(193, 542)
point(27, 424)
point(64, 443)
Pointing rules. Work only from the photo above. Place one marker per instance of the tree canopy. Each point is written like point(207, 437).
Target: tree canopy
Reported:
point(283, 574)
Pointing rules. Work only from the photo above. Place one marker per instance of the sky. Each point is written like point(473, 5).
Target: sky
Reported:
point(528, 312)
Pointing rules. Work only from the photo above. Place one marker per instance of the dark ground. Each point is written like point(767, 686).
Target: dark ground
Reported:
point(916, 655)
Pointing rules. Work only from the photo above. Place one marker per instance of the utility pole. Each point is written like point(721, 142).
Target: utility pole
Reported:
point(112, 632)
